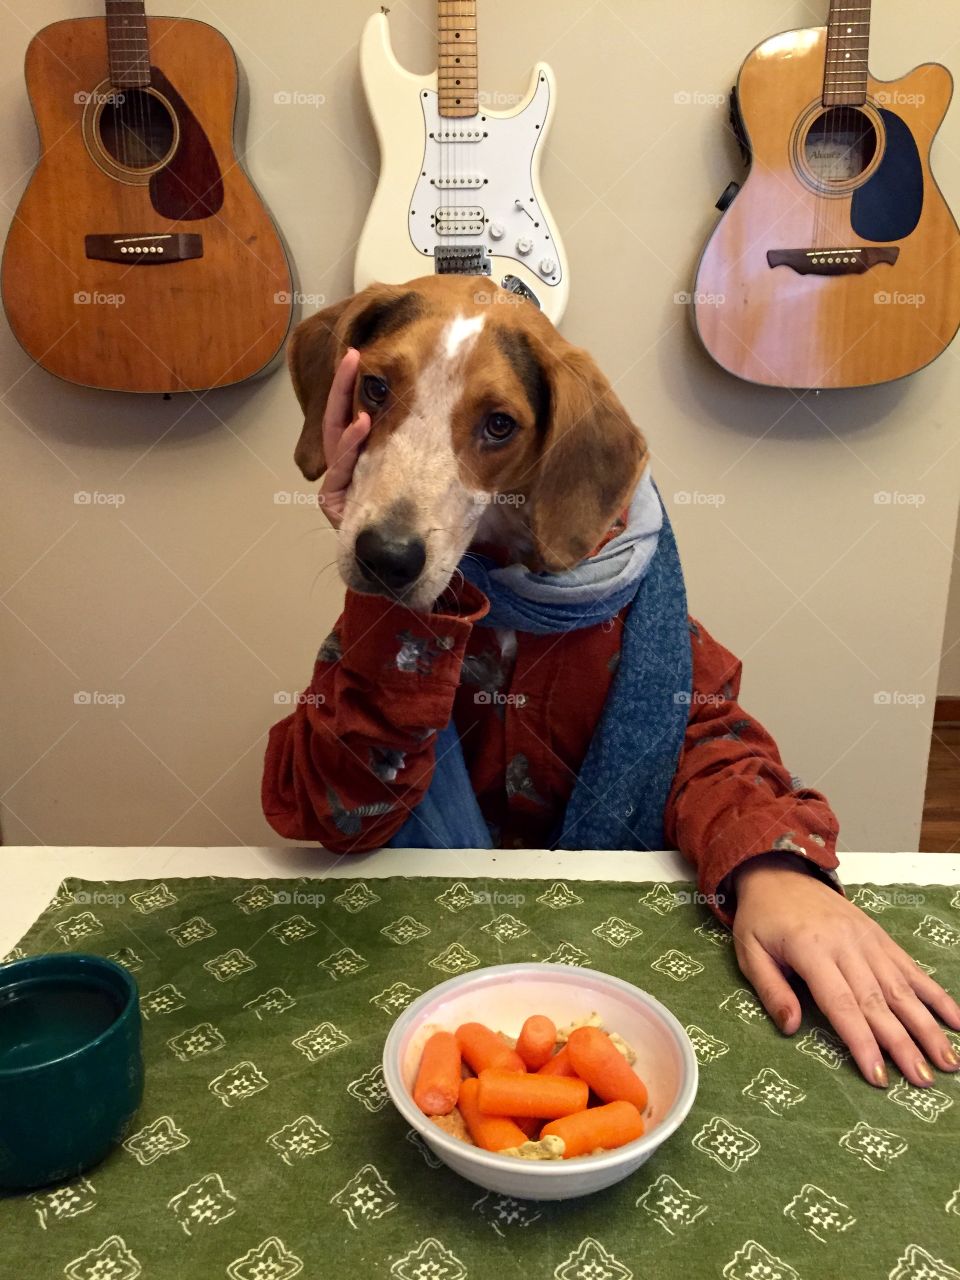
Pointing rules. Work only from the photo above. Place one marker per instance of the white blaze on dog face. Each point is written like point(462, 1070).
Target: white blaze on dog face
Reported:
point(414, 475)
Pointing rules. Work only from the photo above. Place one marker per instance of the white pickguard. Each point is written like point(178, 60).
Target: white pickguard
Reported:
point(477, 184)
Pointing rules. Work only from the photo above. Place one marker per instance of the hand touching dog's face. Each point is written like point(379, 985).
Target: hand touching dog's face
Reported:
point(483, 418)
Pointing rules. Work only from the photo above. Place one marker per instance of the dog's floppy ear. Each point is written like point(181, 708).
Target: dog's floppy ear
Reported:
point(591, 458)
point(319, 344)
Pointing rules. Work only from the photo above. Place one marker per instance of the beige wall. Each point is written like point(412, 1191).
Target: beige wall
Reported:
point(200, 598)
point(950, 663)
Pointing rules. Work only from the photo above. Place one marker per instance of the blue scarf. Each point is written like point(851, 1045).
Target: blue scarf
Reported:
point(620, 794)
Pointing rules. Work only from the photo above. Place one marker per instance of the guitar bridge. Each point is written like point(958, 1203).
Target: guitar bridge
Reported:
point(833, 262)
point(151, 249)
point(461, 260)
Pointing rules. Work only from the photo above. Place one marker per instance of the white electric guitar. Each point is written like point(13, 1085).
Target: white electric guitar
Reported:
point(459, 188)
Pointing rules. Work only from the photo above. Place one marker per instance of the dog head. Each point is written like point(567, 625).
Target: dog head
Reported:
point(486, 424)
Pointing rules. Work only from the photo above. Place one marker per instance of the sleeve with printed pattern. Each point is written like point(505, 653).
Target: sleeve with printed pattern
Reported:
point(732, 797)
point(357, 754)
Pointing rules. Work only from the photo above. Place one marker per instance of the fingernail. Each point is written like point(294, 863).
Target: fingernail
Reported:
point(783, 1017)
point(950, 1058)
point(924, 1072)
point(880, 1075)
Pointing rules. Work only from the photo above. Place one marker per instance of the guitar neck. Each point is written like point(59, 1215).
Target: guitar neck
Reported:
point(457, 60)
point(128, 47)
point(848, 49)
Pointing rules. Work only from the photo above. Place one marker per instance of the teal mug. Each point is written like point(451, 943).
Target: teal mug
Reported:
point(71, 1065)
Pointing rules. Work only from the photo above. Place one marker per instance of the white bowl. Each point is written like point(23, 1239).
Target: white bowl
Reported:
point(503, 997)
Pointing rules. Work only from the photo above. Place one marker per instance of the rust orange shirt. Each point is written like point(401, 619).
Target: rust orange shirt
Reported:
point(357, 753)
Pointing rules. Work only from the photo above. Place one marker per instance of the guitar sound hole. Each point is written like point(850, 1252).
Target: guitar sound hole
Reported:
point(840, 145)
point(136, 129)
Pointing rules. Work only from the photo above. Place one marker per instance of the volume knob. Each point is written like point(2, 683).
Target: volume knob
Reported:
point(524, 245)
point(547, 266)
point(496, 230)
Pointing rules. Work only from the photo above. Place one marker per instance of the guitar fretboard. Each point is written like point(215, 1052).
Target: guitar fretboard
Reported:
point(848, 49)
point(128, 47)
point(457, 61)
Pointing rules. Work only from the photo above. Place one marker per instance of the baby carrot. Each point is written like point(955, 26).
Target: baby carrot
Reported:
point(537, 1038)
point(506, 1093)
point(438, 1078)
point(482, 1048)
point(493, 1133)
point(558, 1065)
point(606, 1071)
point(609, 1126)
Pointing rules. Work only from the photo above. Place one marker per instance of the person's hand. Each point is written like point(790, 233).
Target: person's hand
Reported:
point(342, 438)
point(874, 994)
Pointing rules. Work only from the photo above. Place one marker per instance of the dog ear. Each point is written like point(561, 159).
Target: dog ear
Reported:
point(591, 458)
point(319, 343)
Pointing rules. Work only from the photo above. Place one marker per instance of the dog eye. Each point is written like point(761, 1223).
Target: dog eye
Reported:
point(499, 427)
point(374, 390)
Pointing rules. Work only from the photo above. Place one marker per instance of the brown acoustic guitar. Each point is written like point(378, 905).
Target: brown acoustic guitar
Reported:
point(140, 257)
point(838, 263)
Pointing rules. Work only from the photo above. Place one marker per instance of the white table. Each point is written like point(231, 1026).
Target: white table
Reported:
point(30, 874)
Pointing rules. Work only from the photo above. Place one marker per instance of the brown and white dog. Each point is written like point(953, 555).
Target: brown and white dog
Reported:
point(487, 426)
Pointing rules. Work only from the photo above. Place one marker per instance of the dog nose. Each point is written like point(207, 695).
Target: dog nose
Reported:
point(389, 561)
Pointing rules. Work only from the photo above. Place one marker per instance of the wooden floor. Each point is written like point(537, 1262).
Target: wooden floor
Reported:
point(940, 832)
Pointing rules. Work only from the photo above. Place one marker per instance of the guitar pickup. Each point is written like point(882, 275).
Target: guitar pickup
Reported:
point(452, 221)
point(462, 180)
point(151, 249)
point(833, 262)
point(456, 135)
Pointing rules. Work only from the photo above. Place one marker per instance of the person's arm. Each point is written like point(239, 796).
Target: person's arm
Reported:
point(732, 799)
point(787, 915)
point(357, 754)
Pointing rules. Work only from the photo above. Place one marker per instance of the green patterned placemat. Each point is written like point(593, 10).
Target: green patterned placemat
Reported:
point(266, 1146)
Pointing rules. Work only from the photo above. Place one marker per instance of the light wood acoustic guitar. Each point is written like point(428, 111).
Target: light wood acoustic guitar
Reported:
point(140, 257)
point(838, 263)
point(459, 189)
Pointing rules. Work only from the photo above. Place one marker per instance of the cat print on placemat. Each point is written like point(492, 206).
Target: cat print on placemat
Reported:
point(366, 1197)
point(429, 1260)
point(671, 1205)
point(205, 1203)
point(590, 1259)
point(269, 1260)
point(876, 1147)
